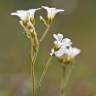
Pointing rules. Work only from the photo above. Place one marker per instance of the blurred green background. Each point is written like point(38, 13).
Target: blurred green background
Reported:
point(78, 22)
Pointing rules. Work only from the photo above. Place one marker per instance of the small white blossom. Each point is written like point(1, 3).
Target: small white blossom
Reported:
point(22, 14)
point(65, 47)
point(25, 14)
point(72, 51)
point(68, 51)
point(59, 41)
point(32, 12)
point(52, 11)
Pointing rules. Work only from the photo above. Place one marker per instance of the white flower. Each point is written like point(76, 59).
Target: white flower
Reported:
point(68, 51)
point(72, 51)
point(32, 12)
point(59, 41)
point(65, 47)
point(22, 14)
point(25, 14)
point(52, 11)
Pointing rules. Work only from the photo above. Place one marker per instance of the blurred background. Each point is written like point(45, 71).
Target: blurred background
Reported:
point(78, 22)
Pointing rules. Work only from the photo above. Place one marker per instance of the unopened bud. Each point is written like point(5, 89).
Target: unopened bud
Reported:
point(43, 21)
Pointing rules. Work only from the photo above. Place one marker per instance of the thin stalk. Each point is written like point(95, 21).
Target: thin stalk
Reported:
point(66, 73)
point(32, 72)
point(33, 59)
point(33, 81)
point(43, 74)
point(45, 33)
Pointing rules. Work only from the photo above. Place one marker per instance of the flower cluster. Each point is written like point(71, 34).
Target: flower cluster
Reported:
point(26, 15)
point(51, 12)
point(27, 21)
point(62, 46)
point(63, 49)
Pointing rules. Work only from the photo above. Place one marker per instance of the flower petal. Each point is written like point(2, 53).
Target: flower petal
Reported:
point(52, 11)
point(60, 52)
point(32, 11)
point(74, 52)
point(22, 14)
point(67, 42)
point(58, 37)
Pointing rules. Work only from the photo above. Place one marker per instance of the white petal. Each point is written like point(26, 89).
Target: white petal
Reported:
point(66, 42)
point(75, 52)
point(72, 51)
point(55, 11)
point(52, 11)
point(22, 14)
point(45, 7)
point(58, 37)
point(32, 11)
point(59, 10)
point(55, 36)
point(60, 52)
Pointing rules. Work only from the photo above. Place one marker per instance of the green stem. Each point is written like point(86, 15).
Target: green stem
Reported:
point(43, 74)
point(66, 73)
point(33, 80)
point(45, 33)
point(32, 72)
point(33, 59)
